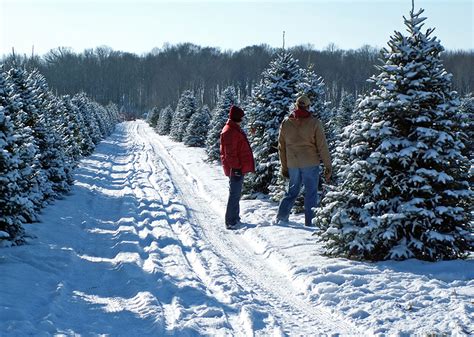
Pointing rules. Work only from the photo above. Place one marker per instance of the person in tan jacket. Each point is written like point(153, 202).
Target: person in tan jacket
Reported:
point(302, 146)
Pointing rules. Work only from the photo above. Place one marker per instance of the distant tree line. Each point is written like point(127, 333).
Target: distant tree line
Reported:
point(42, 138)
point(138, 83)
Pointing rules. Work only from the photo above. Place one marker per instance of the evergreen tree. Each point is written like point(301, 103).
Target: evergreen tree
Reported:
point(272, 100)
point(312, 85)
point(58, 119)
point(164, 123)
point(153, 117)
point(344, 112)
point(219, 117)
point(466, 117)
point(404, 190)
point(87, 122)
point(11, 205)
point(196, 131)
point(185, 109)
point(113, 116)
point(26, 121)
point(73, 129)
point(11, 228)
point(99, 113)
point(50, 144)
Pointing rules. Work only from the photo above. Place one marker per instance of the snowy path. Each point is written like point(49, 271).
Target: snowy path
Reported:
point(271, 289)
point(139, 249)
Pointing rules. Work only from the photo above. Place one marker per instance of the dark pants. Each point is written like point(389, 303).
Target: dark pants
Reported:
point(233, 203)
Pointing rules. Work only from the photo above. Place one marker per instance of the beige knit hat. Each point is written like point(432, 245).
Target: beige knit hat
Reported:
point(303, 101)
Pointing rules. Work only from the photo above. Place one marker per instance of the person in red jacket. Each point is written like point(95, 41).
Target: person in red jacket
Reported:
point(237, 160)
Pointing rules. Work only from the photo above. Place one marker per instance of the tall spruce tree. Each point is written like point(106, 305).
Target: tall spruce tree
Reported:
point(11, 228)
point(185, 109)
point(153, 117)
point(219, 117)
point(272, 100)
point(62, 167)
point(73, 129)
point(466, 117)
point(163, 125)
point(100, 113)
point(112, 116)
point(344, 112)
point(88, 116)
point(11, 204)
point(26, 121)
point(196, 131)
point(404, 190)
point(50, 145)
point(312, 85)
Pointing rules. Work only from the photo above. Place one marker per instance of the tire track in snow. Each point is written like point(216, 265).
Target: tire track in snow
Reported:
point(197, 259)
point(154, 179)
point(296, 314)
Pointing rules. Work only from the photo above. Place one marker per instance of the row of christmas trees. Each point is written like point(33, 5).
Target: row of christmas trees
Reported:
point(42, 138)
point(402, 154)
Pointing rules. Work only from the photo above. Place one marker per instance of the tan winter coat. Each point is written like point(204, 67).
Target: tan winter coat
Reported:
point(302, 142)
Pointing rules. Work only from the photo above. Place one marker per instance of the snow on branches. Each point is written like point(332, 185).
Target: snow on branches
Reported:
point(42, 137)
point(403, 187)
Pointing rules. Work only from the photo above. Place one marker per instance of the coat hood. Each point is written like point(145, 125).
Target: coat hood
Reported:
point(300, 113)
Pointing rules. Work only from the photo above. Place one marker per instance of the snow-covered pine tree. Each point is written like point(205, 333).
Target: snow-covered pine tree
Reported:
point(344, 112)
point(11, 228)
point(163, 125)
point(312, 85)
point(271, 101)
point(96, 118)
point(73, 129)
point(26, 120)
point(88, 125)
point(51, 146)
point(196, 131)
point(466, 117)
point(100, 114)
point(219, 117)
point(185, 109)
point(404, 190)
point(112, 116)
point(153, 117)
point(11, 205)
point(56, 109)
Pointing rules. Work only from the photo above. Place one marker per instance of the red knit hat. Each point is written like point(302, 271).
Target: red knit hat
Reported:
point(236, 113)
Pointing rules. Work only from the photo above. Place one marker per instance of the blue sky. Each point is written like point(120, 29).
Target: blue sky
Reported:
point(141, 25)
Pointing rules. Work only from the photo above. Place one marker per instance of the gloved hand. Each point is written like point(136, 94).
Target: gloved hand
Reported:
point(236, 172)
point(327, 174)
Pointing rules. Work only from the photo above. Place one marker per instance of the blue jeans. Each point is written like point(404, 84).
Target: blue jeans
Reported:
point(232, 213)
point(309, 177)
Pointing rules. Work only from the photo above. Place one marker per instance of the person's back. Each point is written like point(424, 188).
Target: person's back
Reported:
point(237, 160)
point(302, 146)
point(304, 140)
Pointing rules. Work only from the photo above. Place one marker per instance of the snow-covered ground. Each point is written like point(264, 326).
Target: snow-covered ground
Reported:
point(139, 249)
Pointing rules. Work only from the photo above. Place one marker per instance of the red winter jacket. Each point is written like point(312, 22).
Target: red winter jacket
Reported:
point(235, 149)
